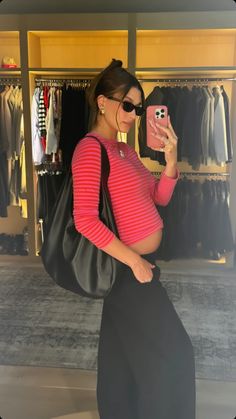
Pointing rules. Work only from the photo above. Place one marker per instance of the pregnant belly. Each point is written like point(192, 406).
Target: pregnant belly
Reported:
point(149, 244)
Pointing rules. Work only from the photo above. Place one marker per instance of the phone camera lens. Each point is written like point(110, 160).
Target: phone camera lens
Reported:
point(160, 113)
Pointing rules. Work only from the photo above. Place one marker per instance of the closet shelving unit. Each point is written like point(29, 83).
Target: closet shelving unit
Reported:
point(73, 55)
point(153, 46)
point(183, 56)
point(10, 47)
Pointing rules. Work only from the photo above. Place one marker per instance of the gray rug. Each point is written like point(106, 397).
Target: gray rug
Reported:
point(44, 325)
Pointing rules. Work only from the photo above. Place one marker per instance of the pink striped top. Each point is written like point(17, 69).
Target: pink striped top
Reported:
point(133, 189)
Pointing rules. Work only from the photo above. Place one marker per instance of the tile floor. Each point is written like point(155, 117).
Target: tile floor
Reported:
point(55, 393)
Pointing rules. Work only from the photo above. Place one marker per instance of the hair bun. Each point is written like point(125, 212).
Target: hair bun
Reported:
point(114, 64)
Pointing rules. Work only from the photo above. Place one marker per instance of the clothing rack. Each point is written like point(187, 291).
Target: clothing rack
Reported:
point(57, 82)
point(198, 174)
point(16, 81)
point(189, 80)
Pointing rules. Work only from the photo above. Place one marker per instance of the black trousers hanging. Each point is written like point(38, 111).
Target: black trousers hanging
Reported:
point(145, 357)
point(4, 185)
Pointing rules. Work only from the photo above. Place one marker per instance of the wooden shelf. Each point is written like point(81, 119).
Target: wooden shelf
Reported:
point(10, 70)
point(182, 72)
point(64, 71)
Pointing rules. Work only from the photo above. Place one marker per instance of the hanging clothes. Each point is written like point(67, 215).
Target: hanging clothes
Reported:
point(227, 119)
point(59, 118)
point(4, 146)
point(48, 186)
point(198, 218)
point(23, 189)
point(51, 138)
point(4, 191)
point(200, 117)
point(11, 142)
point(42, 119)
point(37, 147)
point(6, 121)
point(74, 121)
point(220, 135)
point(16, 106)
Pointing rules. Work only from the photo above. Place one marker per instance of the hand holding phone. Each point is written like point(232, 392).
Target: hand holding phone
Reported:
point(156, 114)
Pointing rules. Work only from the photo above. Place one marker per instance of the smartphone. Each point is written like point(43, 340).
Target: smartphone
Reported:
point(155, 113)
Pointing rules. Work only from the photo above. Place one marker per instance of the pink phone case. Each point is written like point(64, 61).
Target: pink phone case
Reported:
point(155, 113)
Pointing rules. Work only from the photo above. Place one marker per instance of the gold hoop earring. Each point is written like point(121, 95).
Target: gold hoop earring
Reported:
point(102, 111)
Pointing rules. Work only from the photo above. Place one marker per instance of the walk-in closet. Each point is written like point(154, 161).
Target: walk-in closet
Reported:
point(181, 62)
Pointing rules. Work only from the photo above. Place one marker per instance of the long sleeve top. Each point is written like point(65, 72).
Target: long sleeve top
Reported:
point(134, 192)
point(220, 134)
point(51, 139)
point(37, 148)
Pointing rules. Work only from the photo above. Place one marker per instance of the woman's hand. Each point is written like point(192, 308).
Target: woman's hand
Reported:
point(169, 139)
point(142, 270)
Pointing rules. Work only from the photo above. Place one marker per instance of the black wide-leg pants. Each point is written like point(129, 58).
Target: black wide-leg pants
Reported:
point(145, 357)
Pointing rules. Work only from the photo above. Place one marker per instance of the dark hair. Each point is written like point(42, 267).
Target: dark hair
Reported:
point(113, 79)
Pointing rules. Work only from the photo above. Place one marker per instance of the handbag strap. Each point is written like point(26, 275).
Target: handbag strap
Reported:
point(105, 164)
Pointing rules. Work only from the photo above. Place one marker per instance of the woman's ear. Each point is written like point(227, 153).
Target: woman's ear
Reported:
point(101, 100)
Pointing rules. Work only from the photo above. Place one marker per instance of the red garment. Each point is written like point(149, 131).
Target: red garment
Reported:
point(46, 97)
point(43, 142)
point(133, 189)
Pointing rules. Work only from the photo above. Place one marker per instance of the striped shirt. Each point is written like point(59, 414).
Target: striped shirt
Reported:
point(134, 192)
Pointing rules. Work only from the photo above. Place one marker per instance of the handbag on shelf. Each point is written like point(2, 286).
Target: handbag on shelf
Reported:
point(72, 260)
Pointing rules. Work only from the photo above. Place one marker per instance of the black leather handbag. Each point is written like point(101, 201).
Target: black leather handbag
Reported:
point(72, 260)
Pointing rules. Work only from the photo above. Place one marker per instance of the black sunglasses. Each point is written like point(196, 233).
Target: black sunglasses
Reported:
point(128, 106)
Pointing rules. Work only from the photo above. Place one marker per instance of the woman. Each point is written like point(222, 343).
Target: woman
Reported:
point(145, 357)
